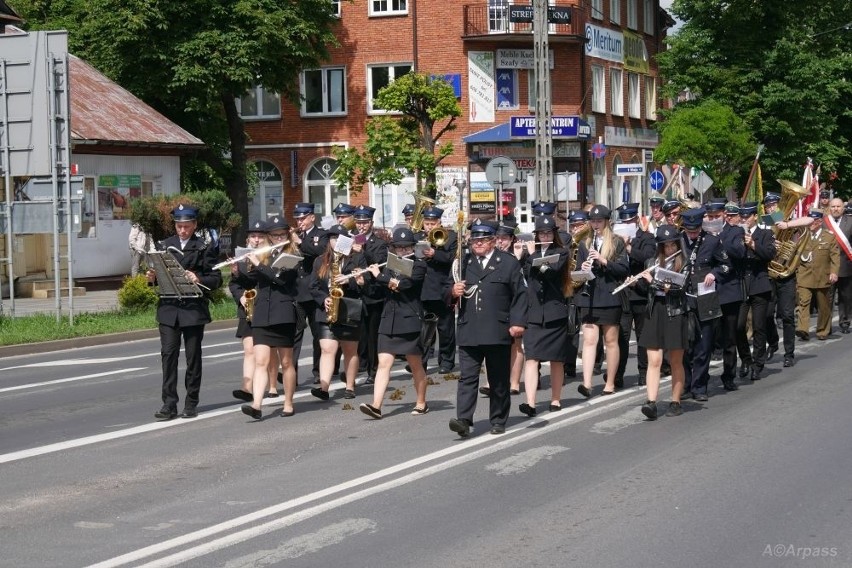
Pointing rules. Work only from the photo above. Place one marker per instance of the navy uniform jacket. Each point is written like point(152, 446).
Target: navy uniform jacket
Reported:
point(199, 258)
point(375, 251)
point(642, 247)
point(544, 289)
point(276, 294)
point(314, 244)
point(438, 269)
point(240, 282)
point(711, 257)
point(499, 302)
point(732, 239)
point(754, 266)
point(319, 286)
point(599, 291)
point(401, 313)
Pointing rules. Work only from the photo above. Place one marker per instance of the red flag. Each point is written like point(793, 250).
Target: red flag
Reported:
point(810, 181)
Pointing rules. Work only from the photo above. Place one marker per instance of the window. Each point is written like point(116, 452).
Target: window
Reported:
point(389, 201)
point(89, 210)
point(324, 91)
point(651, 98)
point(498, 16)
point(598, 86)
point(597, 9)
point(632, 16)
point(259, 103)
point(616, 91)
point(633, 95)
point(648, 20)
point(615, 11)
point(380, 76)
point(335, 7)
point(321, 189)
point(268, 198)
point(388, 7)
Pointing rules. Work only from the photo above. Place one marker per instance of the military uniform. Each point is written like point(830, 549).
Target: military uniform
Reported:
point(820, 256)
point(731, 297)
point(314, 243)
point(375, 251)
point(438, 280)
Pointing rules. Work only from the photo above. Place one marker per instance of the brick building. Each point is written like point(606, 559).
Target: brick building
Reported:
point(604, 83)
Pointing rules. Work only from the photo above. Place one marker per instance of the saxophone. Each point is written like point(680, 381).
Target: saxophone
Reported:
point(568, 285)
point(250, 296)
point(335, 291)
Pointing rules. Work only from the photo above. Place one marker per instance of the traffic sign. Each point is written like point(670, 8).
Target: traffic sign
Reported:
point(657, 180)
point(500, 172)
point(701, 182)
point(630, 170)
point(598, 150)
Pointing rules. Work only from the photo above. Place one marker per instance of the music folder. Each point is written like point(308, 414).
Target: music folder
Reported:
point(582, 276)
point(402, 266)
point(549, 259)
point(285, 261)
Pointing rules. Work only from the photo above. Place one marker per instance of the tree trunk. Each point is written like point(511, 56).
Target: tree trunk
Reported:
point(236, 185)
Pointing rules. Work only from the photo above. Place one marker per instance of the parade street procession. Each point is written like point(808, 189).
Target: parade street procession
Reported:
point(692, 284)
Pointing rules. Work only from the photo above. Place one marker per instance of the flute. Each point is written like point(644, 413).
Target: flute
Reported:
point(261, 250)
point(631, 279)
point(360, 271)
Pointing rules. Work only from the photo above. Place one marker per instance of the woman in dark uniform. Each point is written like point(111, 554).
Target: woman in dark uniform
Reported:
point(546, 337)
point(604, 254)
point(241, 283)
point(274, 321)
point(332, 336)
point(399, 328)
point(665, 327)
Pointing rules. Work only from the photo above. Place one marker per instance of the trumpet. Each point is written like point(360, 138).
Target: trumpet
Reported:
point(631, 279)
point(260, 250)
point(437, 237)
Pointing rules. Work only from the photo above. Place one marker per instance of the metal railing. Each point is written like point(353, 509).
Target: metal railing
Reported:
point(484, 20)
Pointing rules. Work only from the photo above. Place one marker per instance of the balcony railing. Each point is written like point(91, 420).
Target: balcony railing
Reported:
point(483, 20)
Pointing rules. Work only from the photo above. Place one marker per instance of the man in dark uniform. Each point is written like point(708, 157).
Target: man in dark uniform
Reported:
point(783, 302)
point(492, 311)
point(343, 215)
point(184, 317)
point(732, 237)
point(635, 305)
point(671, 211)
point(375, 251)
point(657, 218)
point(408, 213)
point(312, 242)
point(708, 267)
point(760, 250)
point(439, 263)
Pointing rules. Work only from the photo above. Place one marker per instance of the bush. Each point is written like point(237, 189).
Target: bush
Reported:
point(135, 294)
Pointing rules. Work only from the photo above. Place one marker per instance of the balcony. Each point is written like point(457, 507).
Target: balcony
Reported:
point(484, 22)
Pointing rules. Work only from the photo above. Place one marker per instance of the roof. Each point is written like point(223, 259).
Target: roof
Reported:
point(8, 14)
point(103, 112)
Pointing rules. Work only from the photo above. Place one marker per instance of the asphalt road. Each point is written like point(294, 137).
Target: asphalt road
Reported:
point(758, 477)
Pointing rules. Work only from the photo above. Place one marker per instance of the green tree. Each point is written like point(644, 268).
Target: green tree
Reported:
point(193, 60)
point(405, 144)
point(784, 67)
point(710, 135)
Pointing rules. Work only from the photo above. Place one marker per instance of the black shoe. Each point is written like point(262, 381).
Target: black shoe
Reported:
point(460, 426)
point(527, 409)
point(665, 370)
point(649, 409)
point(570, 373)
point(730, 385)
point(166, 413)
point(717, 355)
point(619, 383)
point(349, 394)
point(674, 409)
point(744, 370)
point(240, 394)
point(370, 381)
point(280, 378)
point(255, 413)
point(554, 407)
point(770, 351)
point(844, 329)
point(641, 382)
point(700, 397)
point(788, 361)
point(319, 393)
point(371, 411)
point(686, 396)
point(514, 391)
point(803, 335)
point(270, 394)
point(485, 391)
point(498, 429)
point(597, 370)
point(583, 390)
point(189, 412)
point(756, 374)
point(445, 369)
point(342, 377)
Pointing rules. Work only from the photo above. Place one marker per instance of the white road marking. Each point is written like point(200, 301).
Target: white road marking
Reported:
point(71, 379)
point(90, 525)
point(613, 425)
point(519, 463)
point(297, 509)
point(305, 544)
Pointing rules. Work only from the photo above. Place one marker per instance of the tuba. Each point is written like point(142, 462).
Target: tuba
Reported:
point(788, 249)
point(335, 290)
point(421, 202)
point(250, 296)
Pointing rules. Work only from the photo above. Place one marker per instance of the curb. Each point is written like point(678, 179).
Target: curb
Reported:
point(91, 340)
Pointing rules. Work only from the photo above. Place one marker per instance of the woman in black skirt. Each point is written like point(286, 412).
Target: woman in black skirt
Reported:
point(399, 328)
point(274, 321)
point(665, 327)
point(338, 334)
point(546, 337)
point(605, 255)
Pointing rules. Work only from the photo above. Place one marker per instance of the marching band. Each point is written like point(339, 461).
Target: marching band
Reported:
point(692, 282)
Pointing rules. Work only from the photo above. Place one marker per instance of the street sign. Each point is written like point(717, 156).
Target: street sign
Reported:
point(521, 14)
point(657, 180)
point(500, 172)
point(558, 15)
point(701, 182)
point(598, 150)
point(630, 170)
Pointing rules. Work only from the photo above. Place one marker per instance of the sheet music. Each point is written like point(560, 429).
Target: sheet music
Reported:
point(344, 245)
point(403, 266)
point(241, 251)
point(702, 289)
point(625, 230)
point(549, 259)
point(285, 261)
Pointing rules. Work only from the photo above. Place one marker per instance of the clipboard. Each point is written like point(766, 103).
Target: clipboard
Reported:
point(549, 259)
point(582, 276)
point(402, 266)
point(285, 261)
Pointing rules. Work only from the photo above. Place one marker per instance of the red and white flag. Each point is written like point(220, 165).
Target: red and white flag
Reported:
point(841, 239)
point(810, 181)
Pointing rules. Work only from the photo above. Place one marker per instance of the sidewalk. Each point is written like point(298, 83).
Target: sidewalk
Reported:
point(99, 301)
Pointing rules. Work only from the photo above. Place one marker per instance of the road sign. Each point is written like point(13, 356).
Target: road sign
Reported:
point(598, 150)
point(657, 180)
point(630, 170)
point(701, 182)
point(500, 172)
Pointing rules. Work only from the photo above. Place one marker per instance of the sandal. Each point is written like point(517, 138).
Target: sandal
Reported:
point(418, 411)
point(349, 393)
point(371, 411)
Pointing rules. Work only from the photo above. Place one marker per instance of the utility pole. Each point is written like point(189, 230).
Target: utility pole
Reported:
point(543, 110)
